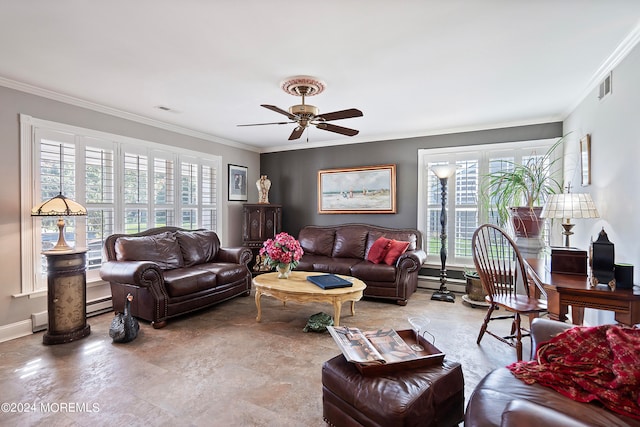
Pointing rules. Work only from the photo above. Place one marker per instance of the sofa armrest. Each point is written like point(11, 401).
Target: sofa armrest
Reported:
point(520, 413)
point(140, 273)
point(236, 255)
point(543, 330)
point(412, 260)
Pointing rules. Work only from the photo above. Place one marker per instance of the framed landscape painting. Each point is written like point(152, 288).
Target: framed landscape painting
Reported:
point(366, 189)
point(237, 183)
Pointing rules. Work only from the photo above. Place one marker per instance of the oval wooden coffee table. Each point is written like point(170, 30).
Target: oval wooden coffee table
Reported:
point(298, 289)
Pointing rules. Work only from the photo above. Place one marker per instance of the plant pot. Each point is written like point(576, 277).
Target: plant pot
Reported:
point(474, 288)
point(526, 221)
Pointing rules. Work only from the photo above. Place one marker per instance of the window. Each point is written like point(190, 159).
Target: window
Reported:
point(126, 185)
point(464, 199)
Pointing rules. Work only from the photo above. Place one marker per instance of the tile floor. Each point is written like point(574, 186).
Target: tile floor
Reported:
point(217, 367)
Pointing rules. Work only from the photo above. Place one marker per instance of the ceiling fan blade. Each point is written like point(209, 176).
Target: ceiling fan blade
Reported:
point(337, 129)
point(262, 124)
point(343, 114)
point(279, 110)
point(297, 133)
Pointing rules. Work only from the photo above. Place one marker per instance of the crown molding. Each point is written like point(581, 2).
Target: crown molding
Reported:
point(78, 102)
point(620, 53)
point(418, 134)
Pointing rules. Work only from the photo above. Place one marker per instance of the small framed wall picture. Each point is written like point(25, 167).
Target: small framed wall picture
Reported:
point(237, 183)
point(585, 160)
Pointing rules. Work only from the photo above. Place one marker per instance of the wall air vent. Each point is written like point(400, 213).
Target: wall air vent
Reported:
point(605, 87)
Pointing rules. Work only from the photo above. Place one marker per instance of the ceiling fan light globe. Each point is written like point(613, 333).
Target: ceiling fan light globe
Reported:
point(304, 110)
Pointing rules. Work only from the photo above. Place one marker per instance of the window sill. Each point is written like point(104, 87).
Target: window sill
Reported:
point(35, 294)
point(43, 292)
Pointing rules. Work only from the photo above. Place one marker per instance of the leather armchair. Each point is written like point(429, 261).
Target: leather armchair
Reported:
point(500, 399)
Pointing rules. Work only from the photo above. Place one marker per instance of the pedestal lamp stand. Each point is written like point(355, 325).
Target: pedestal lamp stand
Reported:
point(443, 172)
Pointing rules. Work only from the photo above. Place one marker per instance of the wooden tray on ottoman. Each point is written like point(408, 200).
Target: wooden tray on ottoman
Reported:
point(428, 357)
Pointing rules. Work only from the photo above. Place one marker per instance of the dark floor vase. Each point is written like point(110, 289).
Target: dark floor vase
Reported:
point(526, 221)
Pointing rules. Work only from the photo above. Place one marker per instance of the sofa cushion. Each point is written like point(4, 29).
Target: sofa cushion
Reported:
point(316, 241)
point(225, 272)
point(330, 265)
point(162, 249)
point(350, 242)
point(397, 248)
point(522, 413)
point(379, 249)
point(374, 272)
point(198, 247)
point(405, 236)
point(308, 261)
point(184, 281)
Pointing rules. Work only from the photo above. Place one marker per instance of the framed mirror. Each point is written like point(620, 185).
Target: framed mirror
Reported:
point(585, 160)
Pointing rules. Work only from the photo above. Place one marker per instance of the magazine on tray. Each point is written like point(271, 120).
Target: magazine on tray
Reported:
point(374, 347)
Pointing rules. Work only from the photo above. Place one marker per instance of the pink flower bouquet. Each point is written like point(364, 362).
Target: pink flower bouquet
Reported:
point(281, 251)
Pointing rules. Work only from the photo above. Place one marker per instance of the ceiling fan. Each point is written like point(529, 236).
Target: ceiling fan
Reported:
point(305, 114)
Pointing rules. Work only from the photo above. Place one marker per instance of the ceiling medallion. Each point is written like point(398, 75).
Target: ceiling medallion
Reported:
point(303, 85)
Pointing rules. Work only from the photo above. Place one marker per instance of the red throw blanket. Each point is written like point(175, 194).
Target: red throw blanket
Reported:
point(590, 363)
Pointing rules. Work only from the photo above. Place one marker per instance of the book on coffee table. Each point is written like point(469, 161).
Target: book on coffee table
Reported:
point(329, 281)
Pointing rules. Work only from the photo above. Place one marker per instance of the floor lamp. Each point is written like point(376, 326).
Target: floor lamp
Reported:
point(443, 172)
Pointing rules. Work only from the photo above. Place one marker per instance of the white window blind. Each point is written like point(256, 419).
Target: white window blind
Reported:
point(464, 203)
point(99, 167)
point(121, 182)
point(163, 190)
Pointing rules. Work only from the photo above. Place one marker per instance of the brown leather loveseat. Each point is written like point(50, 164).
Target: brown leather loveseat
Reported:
point(346, 249)
point(171, 271)
point(500, 399)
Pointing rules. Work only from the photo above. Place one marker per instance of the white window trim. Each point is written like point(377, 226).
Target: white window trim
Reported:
point(29, 188)
point(427, 155)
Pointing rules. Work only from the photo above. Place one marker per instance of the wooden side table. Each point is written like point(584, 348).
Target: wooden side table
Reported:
point(67, 296)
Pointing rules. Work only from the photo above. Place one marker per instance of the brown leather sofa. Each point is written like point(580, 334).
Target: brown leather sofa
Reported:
point(171, 271)
point(500, 399)
point(343, 249)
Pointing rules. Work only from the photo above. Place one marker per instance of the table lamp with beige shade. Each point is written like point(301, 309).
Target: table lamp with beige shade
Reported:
point(567, 206)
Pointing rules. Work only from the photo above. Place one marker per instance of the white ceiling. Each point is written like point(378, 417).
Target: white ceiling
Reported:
point(414, 67)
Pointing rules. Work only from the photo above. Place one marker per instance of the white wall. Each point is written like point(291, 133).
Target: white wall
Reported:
point(614, 126)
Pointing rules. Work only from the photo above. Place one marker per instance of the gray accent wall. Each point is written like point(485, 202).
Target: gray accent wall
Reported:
point(294, 174)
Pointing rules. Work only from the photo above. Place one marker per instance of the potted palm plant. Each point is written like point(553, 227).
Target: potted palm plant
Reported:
point(519, 191)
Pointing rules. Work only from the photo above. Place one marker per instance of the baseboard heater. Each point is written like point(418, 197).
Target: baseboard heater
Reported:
point(95, 307)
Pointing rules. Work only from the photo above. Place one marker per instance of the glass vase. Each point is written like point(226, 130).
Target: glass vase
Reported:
point(283, 271)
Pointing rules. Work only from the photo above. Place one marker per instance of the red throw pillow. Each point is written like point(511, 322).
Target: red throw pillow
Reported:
point(378, 250)
point(397, 248)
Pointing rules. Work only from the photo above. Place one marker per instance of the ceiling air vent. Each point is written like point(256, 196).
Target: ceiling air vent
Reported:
point(605, 87)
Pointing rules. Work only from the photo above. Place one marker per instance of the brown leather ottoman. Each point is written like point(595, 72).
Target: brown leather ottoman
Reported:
point(428, 396)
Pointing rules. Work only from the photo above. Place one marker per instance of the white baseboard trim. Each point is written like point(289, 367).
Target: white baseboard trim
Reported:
point(94, 307)
point(38, 321)
point(15, 330)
